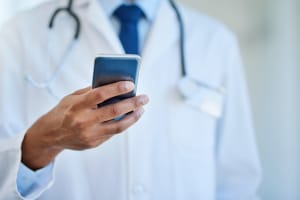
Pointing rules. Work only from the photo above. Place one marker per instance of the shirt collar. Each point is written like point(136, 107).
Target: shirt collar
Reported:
point(149, 7)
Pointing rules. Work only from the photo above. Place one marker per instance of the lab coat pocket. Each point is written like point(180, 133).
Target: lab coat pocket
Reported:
point(193, 121)
point(202, 97)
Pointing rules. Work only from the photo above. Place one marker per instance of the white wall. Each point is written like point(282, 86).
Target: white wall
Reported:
point(268, 31)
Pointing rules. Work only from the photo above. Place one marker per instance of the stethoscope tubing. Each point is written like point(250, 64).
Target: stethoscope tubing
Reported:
point(71, 46)
point(181, 37)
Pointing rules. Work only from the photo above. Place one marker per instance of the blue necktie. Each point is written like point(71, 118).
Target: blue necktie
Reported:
point(129, 16)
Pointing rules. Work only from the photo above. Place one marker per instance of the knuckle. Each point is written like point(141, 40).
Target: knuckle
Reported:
point(106, 131)
point(69, 116)
point(66, 98)
point(85, 139)
point(87, 97)
point(119, 128)
point(70, 105)
point(91, 144)
point(115, 110)
point(65, 102)
point(137, 102)
point(99, 95)
point(78, 123)
point(73, 107)
point(98, 118)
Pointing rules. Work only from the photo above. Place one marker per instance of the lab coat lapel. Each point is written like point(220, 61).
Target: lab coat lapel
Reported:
point(96, 16)
point(164, 32)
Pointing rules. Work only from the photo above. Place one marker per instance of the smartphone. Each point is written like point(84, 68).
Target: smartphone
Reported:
point(114, 68)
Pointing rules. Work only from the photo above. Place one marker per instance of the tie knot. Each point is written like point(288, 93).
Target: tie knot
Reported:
point(129, 13)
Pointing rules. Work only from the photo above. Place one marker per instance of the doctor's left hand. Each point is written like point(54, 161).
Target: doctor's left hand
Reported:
point(76, 123)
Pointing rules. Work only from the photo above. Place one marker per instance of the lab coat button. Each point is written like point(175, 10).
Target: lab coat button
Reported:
point(138, 189)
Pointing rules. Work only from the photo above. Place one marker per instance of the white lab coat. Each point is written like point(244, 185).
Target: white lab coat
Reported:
point(174, 152)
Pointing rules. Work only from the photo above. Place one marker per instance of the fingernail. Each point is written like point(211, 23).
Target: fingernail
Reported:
point(144, 99)
point(127, 86)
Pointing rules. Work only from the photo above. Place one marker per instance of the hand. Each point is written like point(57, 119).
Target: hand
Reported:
point(76, 123)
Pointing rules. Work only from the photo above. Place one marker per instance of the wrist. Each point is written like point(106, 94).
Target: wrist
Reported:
point(36, 151)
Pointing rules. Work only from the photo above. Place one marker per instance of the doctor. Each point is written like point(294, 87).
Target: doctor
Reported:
point(179, 149)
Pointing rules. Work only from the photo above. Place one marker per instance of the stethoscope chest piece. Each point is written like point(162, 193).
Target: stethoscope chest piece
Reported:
point(201, 97)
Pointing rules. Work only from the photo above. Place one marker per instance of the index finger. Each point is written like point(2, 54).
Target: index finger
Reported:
point(103, 93)
point(81, 91)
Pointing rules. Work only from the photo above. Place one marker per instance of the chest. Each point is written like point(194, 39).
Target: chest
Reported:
point(171, 142)
point(64, 66)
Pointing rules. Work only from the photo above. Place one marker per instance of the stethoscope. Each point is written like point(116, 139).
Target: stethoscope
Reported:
point(187, 86)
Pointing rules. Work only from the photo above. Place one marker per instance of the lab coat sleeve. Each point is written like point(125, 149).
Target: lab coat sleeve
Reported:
point(13, 121)
point(31, 183)
point(237, 162)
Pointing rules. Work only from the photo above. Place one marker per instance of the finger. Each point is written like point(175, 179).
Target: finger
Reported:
point(112, 111)
point(107, 130)
point(103, 93)
point(81, 91)
point(115, 127)
point(100, 140)
point(95, 142)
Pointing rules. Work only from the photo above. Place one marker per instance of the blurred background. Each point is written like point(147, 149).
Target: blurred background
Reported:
point(268, 32)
